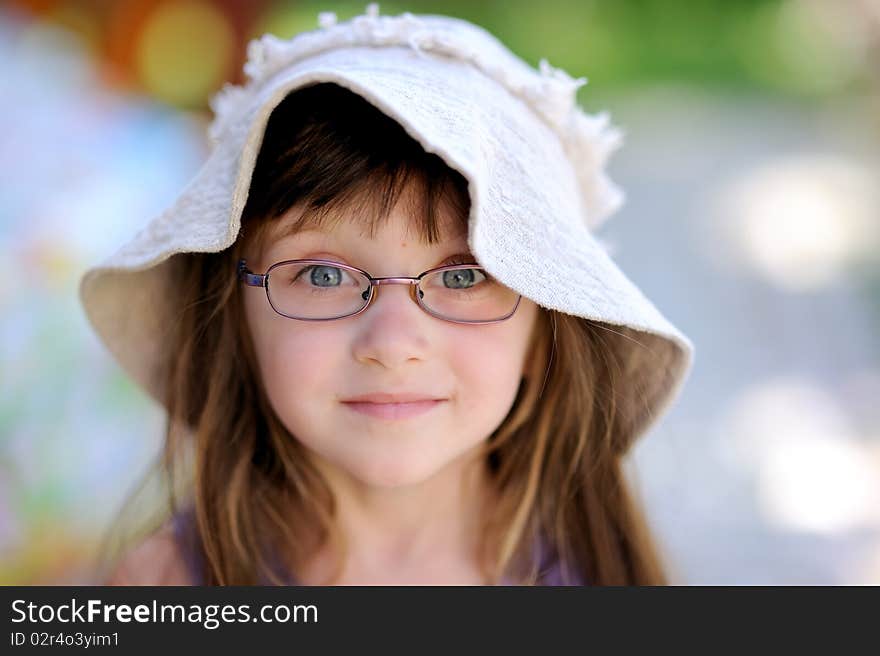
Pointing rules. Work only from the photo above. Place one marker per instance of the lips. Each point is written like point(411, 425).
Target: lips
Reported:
point(393, 406)
point(399, 397)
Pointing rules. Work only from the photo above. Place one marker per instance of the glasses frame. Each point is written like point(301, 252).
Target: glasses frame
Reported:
point(252, 279)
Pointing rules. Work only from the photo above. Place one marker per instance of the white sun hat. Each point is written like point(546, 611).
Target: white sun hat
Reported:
point(533, 160)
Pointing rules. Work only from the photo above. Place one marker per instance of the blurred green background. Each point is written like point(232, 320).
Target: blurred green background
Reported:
point(751, 171)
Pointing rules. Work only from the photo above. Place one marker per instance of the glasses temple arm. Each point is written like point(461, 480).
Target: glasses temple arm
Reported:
point(249, 278)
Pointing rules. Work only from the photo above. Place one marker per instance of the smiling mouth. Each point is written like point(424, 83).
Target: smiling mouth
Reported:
point(393, 411)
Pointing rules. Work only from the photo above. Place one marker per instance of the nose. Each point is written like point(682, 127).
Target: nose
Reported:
point(393, 329)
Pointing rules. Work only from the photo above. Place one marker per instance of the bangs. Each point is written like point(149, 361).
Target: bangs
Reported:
point(334, 156)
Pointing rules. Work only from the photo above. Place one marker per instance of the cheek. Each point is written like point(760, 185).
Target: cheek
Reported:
point(294, 362)
point(488, 366)
point(294, 358)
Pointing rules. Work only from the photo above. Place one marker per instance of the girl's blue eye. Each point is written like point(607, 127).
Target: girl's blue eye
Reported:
point(461, 278)
point(322, 275)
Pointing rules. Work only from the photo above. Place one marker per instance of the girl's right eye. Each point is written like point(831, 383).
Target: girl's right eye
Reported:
point(321, 275)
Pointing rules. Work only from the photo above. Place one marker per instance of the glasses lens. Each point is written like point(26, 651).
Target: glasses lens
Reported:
point(467, 294)
point(304, 290)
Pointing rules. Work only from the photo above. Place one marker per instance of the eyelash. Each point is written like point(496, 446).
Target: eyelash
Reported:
point(469, 260)
point(457, 259)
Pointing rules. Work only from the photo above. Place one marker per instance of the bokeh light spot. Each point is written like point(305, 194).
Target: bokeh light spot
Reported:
point(184, 52)
point(812, 470)
point(802, 222)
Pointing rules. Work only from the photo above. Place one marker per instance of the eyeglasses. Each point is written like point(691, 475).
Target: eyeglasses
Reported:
point(323, 290)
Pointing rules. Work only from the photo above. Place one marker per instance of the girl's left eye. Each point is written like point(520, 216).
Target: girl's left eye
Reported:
point(462, 278)
point(475, 275)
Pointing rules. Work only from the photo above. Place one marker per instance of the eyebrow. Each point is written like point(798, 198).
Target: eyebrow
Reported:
point(317, 222)
point(293, 230)
point(466, 256)
point(463, 258)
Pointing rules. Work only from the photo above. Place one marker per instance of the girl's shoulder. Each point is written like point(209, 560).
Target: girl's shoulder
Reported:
point(157, 560)
point(172, 556)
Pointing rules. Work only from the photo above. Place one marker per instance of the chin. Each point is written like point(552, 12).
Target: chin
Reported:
point(393, 474)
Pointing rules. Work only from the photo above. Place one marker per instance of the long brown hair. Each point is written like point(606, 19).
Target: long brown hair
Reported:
point(555, 460)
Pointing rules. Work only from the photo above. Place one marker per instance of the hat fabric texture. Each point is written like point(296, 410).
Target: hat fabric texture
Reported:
point(533, 160)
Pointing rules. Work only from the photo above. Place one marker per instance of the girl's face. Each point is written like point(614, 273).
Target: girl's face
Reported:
point(309, 369)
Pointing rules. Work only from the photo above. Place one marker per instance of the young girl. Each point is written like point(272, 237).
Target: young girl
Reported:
point(390, 349)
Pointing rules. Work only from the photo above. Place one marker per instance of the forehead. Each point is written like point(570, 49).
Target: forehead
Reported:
point(355, 225)
point(353, 220)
